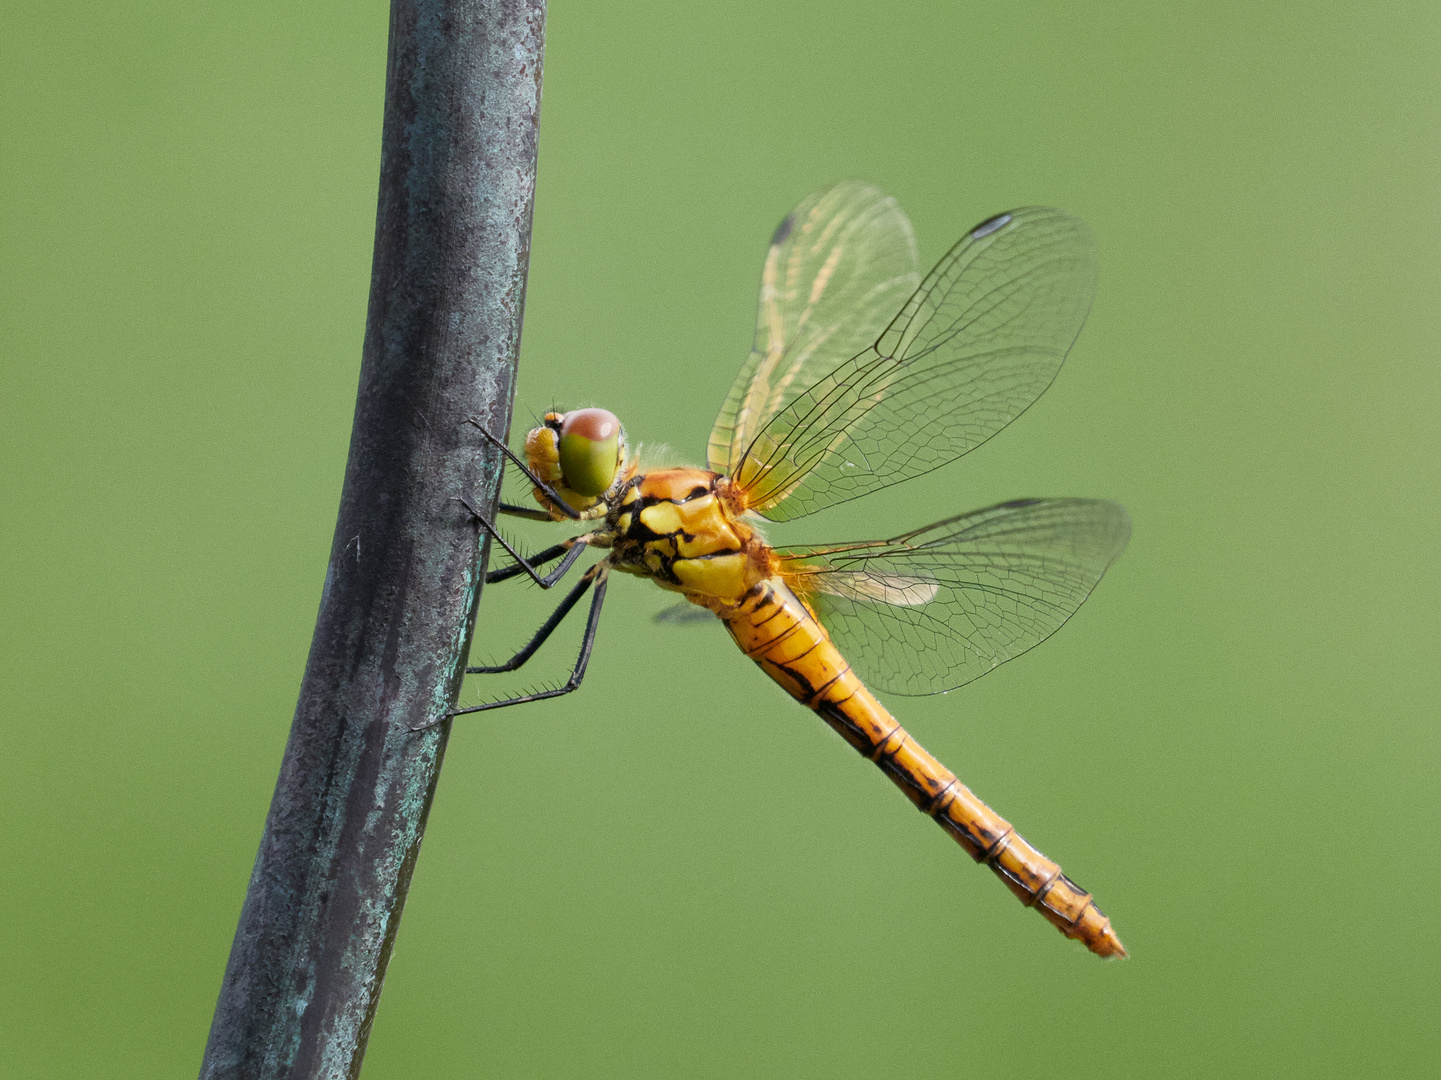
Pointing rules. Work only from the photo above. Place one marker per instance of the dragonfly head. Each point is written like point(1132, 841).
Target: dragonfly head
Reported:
point(582, 451)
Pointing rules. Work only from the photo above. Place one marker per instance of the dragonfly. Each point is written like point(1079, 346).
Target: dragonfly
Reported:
point(862, 375)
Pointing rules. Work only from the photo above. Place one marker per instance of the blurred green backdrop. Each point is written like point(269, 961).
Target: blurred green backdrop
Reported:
point(1234, 744)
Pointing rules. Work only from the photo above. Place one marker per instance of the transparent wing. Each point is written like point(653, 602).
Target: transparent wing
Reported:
point(976, 344)
point(938, 607)
point(838, 269)
point(683, 614)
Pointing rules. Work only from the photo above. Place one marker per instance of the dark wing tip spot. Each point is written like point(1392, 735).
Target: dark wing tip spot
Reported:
point(995, 224)
point(783, 230)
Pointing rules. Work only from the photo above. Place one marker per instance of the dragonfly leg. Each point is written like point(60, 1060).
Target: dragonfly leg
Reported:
point(546, 628)
point(571, 549)
point(530, 513)
point(597, 576)
point(550, 492)
point(576, 545)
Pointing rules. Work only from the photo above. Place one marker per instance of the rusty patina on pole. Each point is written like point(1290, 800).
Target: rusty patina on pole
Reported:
point(452, 243)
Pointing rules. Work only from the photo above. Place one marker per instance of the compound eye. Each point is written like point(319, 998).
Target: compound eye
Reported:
point(590, 448)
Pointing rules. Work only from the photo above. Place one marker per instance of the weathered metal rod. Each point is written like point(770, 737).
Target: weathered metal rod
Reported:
point(452, 242)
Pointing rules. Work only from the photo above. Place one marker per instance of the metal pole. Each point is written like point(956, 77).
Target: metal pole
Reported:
point(452, 240)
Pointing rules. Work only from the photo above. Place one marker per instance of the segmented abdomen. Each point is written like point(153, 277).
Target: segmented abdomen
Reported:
point(776, 630)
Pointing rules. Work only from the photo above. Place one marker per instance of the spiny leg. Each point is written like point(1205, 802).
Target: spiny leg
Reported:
point(577, 545)
point(571, 549)
point(598, 575)
point(530, 513)
point(546, 628)
point(550, 492)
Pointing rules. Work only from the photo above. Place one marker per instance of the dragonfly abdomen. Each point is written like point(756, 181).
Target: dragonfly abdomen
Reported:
point(778, 631)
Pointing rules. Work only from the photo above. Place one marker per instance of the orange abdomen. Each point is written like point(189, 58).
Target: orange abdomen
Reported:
point(776, 630)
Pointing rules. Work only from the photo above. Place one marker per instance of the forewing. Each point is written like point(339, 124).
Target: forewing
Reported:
point(976, 344)
point(838, 269)
point(936, 608)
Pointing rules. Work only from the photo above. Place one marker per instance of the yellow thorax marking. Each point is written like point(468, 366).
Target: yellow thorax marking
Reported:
point(723, 577)
point(699, 527)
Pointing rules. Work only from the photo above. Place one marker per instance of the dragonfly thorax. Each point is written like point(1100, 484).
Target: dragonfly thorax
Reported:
point(677, 527)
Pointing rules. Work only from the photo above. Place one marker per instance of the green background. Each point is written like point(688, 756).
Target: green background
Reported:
point(677, 872)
